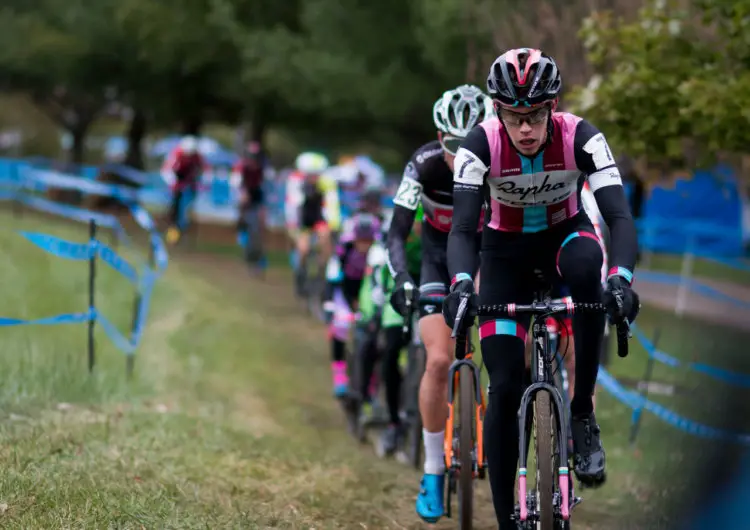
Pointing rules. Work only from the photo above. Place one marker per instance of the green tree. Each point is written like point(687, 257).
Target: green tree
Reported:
point(57, 53)
point(671, 86)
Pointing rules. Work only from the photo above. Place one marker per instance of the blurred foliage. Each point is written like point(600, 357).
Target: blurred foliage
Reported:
point(673, 85)
point(671, 78)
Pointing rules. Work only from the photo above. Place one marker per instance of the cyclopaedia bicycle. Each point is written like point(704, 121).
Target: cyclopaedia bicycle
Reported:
point(464, 443)
point(548, 506)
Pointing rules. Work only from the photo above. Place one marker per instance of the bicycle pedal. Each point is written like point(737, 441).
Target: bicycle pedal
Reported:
point(575, 502)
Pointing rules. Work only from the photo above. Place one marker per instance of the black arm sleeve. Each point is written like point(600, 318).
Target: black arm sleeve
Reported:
point(401, 224)
point(469, 173)
point(594, 158)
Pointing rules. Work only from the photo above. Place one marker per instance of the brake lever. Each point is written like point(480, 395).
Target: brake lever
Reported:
point(462, 306)
point(408, 292)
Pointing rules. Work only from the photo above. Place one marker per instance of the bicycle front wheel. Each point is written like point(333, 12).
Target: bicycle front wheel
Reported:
point(545, 458)
point(466, 406)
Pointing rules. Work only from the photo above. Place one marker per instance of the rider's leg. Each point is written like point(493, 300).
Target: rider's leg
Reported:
point(567, 347)
point(579, 262)
point(394, 342)
point(368, 355)
point(324, 242)
point(338, 332)
point(506, 279)
point(302, 244)
point(433, 389)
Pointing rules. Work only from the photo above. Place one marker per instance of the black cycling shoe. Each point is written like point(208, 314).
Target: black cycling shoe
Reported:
point(588, 453)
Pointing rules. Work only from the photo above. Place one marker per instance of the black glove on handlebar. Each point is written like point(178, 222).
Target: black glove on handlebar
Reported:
point(398, 296)
point(453, 301)
point(621, 301)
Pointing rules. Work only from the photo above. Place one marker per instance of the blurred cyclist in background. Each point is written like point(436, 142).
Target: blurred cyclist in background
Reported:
point(428, 181)
point(183, 169)
point(376, 310)
point(312, 206)
point(345, 273)
point(247, 174)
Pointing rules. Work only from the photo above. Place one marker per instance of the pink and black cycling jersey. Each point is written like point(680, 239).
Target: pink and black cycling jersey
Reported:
point(529, 195)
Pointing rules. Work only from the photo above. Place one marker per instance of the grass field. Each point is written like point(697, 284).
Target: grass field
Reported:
point(229, 423)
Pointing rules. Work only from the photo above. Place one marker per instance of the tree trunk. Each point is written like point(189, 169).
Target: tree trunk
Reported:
point(192, 125)
point(78, 149)
point(136, 134)
point(258, 130)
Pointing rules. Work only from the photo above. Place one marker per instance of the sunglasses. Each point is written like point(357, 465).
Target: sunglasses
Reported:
point(450, 144)
point(516, 119)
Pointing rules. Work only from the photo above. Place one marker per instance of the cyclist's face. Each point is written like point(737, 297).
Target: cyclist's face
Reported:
point(450, 146)
point(527, 127)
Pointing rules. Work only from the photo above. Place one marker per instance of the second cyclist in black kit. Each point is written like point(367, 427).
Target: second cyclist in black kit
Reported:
point(428, 178)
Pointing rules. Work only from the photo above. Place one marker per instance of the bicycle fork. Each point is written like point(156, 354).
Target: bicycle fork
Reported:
point(562, 447)
point(450, 445)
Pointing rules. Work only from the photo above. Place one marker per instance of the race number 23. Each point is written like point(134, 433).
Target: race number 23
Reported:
point(408, 193)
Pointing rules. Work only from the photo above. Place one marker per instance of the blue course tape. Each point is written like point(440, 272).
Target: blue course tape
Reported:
point(725, 376)
point(66, 318)
point(60, 247)
point(694, 285)
point(636, 401)
point(35, 179)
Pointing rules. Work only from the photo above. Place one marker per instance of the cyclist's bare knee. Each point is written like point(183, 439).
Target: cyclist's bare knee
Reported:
point(303, 244)
point(439, 346)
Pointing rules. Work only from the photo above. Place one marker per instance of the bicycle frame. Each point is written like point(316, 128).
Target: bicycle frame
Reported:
point(542, 358)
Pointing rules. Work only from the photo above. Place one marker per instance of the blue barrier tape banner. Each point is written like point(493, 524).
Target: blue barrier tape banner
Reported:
point(725, 376)
point(36, 179)
point(694, 285)
point(111, 258)
point(636, 401)
point(66, 318)
point(60, 247)
point(117, 338)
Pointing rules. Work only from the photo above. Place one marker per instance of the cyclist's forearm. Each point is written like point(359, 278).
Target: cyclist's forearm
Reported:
point(462, 251)
point(401, 224)
point(623, 235)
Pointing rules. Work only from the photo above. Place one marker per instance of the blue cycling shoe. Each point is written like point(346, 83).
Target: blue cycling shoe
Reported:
point(430, 499)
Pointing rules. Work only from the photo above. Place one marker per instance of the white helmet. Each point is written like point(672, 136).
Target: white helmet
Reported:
point(460, 110)
point(189, 144)
point(311, 163)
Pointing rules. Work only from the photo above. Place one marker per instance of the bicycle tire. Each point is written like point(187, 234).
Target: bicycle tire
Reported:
point(466, 405)
point(545, 473)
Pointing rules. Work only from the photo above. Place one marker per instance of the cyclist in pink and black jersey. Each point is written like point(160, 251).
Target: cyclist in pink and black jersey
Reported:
point(527, 167)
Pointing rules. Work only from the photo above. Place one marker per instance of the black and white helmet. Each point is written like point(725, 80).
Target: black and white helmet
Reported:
point(459, 110)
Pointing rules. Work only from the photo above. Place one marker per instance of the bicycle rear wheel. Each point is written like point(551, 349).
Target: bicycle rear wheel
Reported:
point(545, 458)
point(466, 407)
